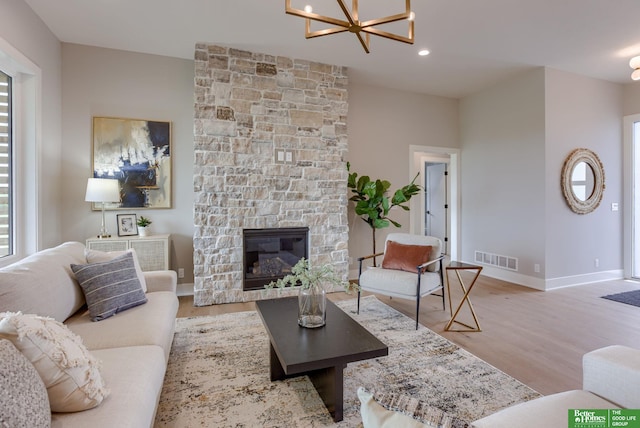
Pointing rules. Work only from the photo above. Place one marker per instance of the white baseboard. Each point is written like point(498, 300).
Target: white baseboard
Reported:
point(185, 289)
point(570, 281)
point(551, 283)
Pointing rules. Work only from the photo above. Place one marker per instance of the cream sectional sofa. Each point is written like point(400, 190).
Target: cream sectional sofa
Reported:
point(133, 346)
point(611, 380)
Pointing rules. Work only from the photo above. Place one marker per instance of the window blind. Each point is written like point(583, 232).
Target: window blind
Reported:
point(6, 210)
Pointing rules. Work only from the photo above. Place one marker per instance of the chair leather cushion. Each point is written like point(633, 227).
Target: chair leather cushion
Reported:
point(405, 257)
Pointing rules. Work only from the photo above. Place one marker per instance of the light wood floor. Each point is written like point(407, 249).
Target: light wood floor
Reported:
point(537, 337)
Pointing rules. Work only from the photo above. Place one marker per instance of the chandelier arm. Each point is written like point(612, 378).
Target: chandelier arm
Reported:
point(328, 31)
point(314, 16)
point(408, 40)
point(386, 19)
point(347, 13)
point(365, 43)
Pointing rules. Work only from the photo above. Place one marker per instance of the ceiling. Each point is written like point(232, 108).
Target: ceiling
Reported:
point(473, 43)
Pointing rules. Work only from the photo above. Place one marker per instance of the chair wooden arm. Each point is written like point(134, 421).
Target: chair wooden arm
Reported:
point(361, 259)
point(369, 256)
point(424, 265)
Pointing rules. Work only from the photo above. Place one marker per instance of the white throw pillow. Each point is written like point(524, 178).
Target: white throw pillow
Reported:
point(375, 416)
point(69, 372)
point(390, 410)
point(95, 256)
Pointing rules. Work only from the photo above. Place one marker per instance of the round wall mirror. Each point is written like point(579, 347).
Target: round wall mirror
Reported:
point(583, 181)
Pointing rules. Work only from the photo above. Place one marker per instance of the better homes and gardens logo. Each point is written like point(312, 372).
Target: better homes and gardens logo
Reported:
point(604, 418)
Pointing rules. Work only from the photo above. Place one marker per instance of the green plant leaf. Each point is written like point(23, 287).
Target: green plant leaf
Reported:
point(395, 223)
point(380, 223)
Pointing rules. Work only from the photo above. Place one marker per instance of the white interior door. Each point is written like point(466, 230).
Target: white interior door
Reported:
point(436, 205)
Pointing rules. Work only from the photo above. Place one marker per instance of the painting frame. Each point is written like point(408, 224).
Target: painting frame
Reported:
point(137, 153)
point(127, 224)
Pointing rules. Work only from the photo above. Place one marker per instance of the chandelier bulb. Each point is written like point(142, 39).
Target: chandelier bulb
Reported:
point(308, 8)
point(412, 16)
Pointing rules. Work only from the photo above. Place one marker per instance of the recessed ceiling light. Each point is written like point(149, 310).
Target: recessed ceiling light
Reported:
point(424, 52)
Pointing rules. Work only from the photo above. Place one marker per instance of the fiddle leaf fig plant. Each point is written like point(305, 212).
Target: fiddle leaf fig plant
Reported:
point(372, 202)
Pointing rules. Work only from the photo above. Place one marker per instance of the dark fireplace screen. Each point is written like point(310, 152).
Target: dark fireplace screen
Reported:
point(270, 254)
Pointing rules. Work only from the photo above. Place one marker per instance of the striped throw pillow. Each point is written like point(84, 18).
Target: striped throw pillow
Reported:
point(110, 287)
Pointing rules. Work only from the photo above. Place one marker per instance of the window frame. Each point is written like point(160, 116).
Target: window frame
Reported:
point(26, 123)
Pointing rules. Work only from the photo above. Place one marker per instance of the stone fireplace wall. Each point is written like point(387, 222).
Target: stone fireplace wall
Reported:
point(250, 108)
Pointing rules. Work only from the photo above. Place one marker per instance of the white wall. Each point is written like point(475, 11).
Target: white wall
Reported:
point(503, 173)
point(106, 82)
point(631, 97)
point(515, 137)
point(24, 31)
point(583, 112)
point(382, 125)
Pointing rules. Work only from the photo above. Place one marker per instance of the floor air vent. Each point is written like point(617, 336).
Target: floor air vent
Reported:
point(504, 262)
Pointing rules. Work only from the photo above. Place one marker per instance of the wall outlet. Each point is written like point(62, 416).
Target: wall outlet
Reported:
point(596, 262)
point(536, 268)
point(180, 272)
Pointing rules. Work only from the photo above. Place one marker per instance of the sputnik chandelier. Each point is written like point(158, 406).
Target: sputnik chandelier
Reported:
point(353, 23)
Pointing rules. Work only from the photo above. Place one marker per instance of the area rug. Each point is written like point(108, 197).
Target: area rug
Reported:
point(218, 374)
point(628, 297)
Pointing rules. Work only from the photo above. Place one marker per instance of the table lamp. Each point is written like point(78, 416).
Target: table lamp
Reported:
point(102, 190)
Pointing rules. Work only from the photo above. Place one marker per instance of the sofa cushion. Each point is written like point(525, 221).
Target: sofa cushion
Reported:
point(110, 287)
point(405, 257)
point(43, 283)
point(69, 372)
point(135, 376)
point(390, 410)
point(404, 283)
point(551, 411)
point(23, 396)
point(150, 324)
point(95, 256)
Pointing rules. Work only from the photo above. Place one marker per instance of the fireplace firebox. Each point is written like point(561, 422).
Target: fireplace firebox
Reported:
point(270, 254)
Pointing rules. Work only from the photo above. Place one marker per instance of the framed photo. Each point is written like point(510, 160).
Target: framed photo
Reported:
point(137, 153)
point(127, 224)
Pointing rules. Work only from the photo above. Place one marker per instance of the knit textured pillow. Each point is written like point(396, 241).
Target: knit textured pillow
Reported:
point(23, 397)
point(69, 372)
point(110, 287)
point(383, 409)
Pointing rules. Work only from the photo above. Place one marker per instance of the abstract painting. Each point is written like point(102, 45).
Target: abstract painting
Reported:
point(137, 153)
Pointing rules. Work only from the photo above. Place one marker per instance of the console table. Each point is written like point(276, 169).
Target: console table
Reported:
point(152, 251)
point(457, 267)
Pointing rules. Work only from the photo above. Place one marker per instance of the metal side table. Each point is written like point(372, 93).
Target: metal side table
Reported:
point(457, 267)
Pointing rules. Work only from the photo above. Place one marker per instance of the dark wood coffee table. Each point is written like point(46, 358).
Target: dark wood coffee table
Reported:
point(321, 353)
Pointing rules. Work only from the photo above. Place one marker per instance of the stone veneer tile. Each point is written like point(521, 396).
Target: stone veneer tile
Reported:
point(247, 105)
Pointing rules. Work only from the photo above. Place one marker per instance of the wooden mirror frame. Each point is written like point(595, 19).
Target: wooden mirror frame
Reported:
point(593, 201)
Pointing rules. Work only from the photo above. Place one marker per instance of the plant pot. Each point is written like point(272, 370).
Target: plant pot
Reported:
point(312, 307)
point(144, 230)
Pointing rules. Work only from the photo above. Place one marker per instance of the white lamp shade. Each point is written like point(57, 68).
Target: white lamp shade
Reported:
point(635, 62)
point(636, 74)
point(102, 190)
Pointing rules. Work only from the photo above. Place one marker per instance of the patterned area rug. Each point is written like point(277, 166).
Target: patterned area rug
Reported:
point(218, 374)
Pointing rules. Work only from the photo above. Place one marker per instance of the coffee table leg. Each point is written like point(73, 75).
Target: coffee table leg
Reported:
point(329, 383)
point(275, 368)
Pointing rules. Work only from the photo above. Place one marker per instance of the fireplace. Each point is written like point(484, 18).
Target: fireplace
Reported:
point(269, 254)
